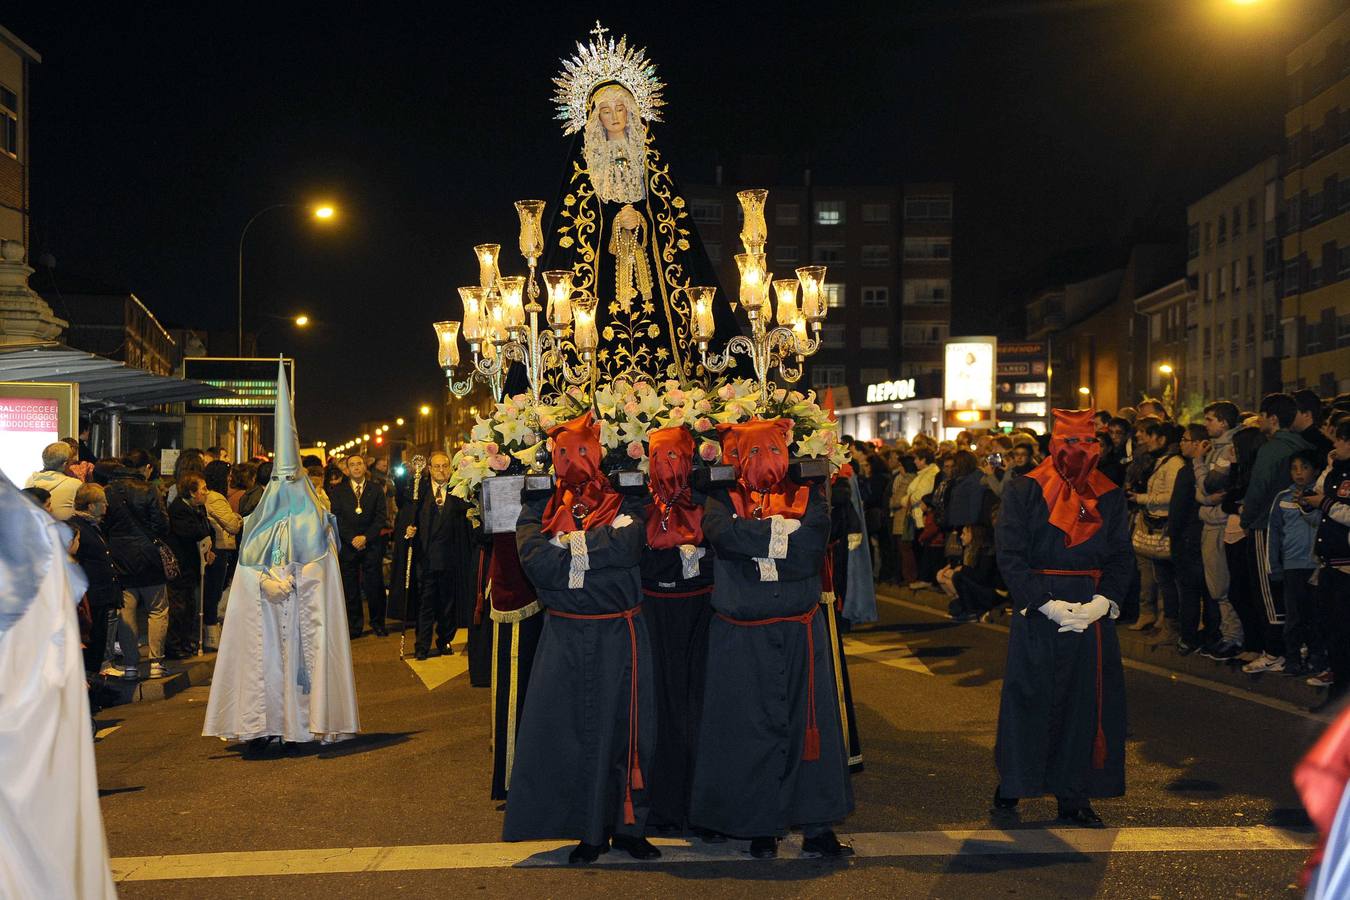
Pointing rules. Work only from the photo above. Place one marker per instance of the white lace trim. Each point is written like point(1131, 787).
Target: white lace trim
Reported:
point(581, 559)
point(778, 538)
point(768, 569)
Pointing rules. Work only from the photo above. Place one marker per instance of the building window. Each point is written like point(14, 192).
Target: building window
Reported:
point(1223, 282)
point(1223, 229)
point(1155, 328)
point(1251, 213)
point(9, 121)
point(829, 212)
point(1237, 220)
point(832, 336)
point(714, 249)
point(706, 212)
point(921, 291)
point(1205, 342)
point(874, 375)
point(785, 214)
point(876, 255)
point(1237, 277)
point(876, 337)
point(876, 296)
point(827, 376)
point(834, 295)
point(832, 254)
point(1271, 262)
point(876, 213)
point(1251, 330)
point(1251, 270)
point(1343, 330)
point(928, 248)
point(785, 253)
point(1192, 241)
point(1343, 262)
point(925, 334)
point(919, 209)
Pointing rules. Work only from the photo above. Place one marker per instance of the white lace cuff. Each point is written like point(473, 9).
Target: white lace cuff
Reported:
point(768, 569)
point(778, 538)
point(581, 559)
point(689, 559)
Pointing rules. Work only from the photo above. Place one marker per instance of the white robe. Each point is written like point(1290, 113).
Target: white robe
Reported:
point(52, 844)
point(285, 664)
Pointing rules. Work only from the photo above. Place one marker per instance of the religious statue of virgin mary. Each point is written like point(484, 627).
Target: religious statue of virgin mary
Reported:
point(621, 224)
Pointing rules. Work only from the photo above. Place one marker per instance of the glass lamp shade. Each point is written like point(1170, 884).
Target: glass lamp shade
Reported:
point(447, 337)
point(531, 229)
point(559, 284)
point(785, 289)
point(583, 331)
point(754, 232)
point(473, 312)
point(487, 263)
point(799, 332)
point(812, 279)
point(496, 323)
point(754, 280)
point(702, 298)
point(513, 288)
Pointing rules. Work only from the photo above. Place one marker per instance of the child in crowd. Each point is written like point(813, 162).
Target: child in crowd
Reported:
point(1290, 545)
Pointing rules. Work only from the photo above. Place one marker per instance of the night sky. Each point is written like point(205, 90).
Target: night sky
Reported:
point(158, 132)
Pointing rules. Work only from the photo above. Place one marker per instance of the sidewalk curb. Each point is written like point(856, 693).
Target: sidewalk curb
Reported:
point(191, 673)
point(1134, 646)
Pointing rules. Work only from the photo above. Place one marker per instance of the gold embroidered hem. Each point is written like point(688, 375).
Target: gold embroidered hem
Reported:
point(516, 615)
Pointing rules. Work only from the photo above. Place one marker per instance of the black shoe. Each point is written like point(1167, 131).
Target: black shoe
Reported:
point(586, 853)
point(1082, 816)
point(636, 847)
point(380, 631)
point(354, 631)
point(764, 847)
point(421, 654)
point(434, 651)
point(255, 748)
point(825, 844)
point(1002, 802)
point(447, 650)
point(1185, 649)
point(709, 836)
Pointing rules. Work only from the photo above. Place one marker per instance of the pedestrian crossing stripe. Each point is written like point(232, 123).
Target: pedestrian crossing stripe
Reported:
point(675, 851)
point(438, 670)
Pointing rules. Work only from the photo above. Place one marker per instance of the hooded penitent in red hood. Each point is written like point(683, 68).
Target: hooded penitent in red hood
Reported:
point(583, 497)
point(758, 451)
point(1069, 480)
point(673, 518)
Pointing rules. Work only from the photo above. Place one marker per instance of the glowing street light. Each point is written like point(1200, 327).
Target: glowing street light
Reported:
point(324, 212)
point(302, 320)
point(425, 410)
point(365, 437)
point(398, 421)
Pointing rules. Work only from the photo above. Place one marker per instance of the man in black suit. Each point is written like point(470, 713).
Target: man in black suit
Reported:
point(441, 530)
point(359, 506)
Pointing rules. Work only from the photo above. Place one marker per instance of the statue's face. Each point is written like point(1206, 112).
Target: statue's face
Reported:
point(613, 114)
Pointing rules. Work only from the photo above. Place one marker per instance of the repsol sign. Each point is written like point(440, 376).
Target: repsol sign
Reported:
point(886, 391)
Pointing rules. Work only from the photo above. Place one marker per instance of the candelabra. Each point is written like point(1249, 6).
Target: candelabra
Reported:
point(785, 346)
point(500, 327)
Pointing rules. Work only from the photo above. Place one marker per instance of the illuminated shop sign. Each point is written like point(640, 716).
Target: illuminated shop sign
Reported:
point(886, 391)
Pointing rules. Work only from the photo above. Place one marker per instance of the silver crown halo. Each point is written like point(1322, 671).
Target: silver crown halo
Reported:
point(601, 61)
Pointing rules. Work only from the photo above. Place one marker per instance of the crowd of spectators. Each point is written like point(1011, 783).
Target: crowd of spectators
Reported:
point(1239, 522)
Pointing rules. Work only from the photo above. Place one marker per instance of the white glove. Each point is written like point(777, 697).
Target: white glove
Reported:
point(1063, 614)
point(276, 584)
point(1095, 608)
point(855, 540)
point(622, 520)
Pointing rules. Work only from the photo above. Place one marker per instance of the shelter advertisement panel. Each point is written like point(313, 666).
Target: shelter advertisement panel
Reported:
point(253, 381)
point(33, 415)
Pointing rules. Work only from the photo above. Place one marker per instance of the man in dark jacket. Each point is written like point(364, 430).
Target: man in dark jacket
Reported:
point(1185, 533)
point(136, 525)
point(359, 506)
point(445, 572)
point(95, 558)
point(188, 527)
point(1308, 422)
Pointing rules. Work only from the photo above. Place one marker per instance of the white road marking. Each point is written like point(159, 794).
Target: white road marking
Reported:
point(438, 670)
point(987, 842)
point(104, 732)
point(896, 654)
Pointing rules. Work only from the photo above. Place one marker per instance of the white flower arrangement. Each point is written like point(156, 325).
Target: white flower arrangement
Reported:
point(628, 412)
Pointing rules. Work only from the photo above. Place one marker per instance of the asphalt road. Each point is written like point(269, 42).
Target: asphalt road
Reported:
point(1200, 763)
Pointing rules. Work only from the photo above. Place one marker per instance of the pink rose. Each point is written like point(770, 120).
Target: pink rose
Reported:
point(547, 422)
point(779, 395)
point(499, 462)
point(635, 450)
point(703, 424)
point(709, 451)
point(703, 406)
point(491, 448)
point(631, 407)
point(726, 392)
point(677, 414)
point(675, 396)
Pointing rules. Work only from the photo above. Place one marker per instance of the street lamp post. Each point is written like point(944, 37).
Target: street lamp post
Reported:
point(1086, 391)
point(323, 213)
point(1166, 369)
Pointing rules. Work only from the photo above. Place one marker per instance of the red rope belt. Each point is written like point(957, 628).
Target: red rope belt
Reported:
point(478, 587)
point(1099, 741)
point(634, 780)
point(811, 740)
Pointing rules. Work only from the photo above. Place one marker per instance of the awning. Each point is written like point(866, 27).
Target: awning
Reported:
point(103, 382)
